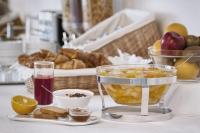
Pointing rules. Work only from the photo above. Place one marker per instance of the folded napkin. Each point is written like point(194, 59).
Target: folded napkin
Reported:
point(126, 58)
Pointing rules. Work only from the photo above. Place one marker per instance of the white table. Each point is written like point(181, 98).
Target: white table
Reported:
point(178, 124)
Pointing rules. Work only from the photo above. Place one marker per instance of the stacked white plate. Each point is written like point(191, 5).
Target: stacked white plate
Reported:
point(9, 51)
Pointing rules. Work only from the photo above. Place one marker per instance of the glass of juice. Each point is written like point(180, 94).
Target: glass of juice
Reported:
point(43, 82)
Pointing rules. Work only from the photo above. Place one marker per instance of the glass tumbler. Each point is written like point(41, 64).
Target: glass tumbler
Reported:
point(43, 82)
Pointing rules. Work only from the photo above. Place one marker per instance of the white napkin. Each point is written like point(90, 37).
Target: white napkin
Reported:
point(125, 58)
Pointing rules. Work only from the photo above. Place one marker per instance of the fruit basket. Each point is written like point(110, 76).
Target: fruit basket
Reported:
point(137, 89)
point(187, 62)
point(180, 49)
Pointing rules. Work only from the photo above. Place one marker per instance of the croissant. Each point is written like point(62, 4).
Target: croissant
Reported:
point(66, 59)
point(77, 64)
point(35, 56)
point(104, 60)
point(65, 65)
point(46, 53)
point(23, 59)
point(60, 59)
point(98, 59)
point(84, 56)
point(70, 53)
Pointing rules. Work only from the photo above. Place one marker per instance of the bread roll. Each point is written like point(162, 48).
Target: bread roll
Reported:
point(46, 53)
point(67, 65)
point(78, 64)
point(61, 59)
point(70, 53)
point(66, 59)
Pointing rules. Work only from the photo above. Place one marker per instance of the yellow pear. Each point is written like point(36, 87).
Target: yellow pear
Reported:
point(186, 70)
point(157, 45)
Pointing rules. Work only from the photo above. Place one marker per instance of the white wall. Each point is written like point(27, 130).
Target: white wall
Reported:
point(32, 7)
point(167, 11)
point(27, 7)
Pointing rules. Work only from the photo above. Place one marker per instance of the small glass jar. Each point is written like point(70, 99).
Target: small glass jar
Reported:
point(79, 114)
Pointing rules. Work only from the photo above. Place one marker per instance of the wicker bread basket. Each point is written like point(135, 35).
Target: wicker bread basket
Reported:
point(135, 42)
point(80, 82)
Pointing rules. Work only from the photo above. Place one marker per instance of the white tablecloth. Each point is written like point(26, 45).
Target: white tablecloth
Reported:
point(178, 124)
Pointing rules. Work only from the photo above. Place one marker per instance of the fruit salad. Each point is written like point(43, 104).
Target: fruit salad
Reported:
point(127, 94)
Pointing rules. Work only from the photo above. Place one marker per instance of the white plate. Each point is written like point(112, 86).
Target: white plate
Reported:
point(60, 121)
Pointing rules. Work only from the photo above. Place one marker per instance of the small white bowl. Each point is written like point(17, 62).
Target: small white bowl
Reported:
point(63, 101)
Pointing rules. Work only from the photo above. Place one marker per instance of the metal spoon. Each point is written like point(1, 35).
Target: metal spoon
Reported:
point(115, 116)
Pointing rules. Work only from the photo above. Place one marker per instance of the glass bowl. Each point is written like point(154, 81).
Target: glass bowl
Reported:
point(187, 62)
point(124, 83)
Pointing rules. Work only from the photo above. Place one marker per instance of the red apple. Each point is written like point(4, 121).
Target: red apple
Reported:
point(172, 41)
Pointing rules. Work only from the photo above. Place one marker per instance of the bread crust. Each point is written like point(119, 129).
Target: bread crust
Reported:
point(54, 111)
point(38, 114)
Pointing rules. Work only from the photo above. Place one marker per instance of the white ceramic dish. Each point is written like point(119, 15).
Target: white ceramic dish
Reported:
point(67, 121)
point(66, 102)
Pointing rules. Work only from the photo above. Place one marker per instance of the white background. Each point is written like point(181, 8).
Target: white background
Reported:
point(184, 11)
